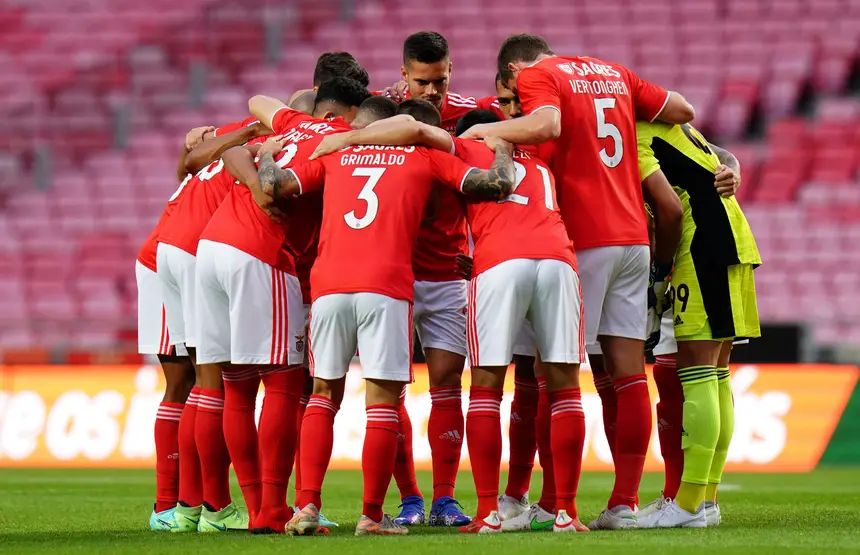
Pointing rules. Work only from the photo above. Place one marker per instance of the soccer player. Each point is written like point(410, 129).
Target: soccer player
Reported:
point(440, 301)
point(589, 107)
point(251, 325)
point(714, 302)
point(371, 308)
point(193, 205)
point(329, 65)
point(487, 224)
point(153, 336)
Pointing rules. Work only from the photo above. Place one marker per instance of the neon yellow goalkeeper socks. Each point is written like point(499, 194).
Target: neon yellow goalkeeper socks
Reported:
point(700, 433)
point(727, 429)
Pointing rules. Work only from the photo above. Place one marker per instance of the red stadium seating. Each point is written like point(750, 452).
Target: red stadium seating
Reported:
point(67, 253)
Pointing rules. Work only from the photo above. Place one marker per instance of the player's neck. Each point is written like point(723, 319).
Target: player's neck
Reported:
point(541, 57)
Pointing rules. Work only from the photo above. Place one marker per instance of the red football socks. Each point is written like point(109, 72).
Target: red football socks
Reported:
point(377, 457)
point(167, 455)
point(190, 479)
point(300, 415)
point(484, 433)
point(214, 458)
point(522, 433)
point(277, 432)
point(544, 442)
point(445, 429)
point(404, 463)
point(240, 434)
point(317, 443)
point(568, 439)
point(670, 416)
point(609, 401)
point(632, 438)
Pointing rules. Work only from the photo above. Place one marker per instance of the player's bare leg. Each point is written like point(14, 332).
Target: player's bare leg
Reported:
point(623, 360)
point(179, 378)
point(377, 457)
point(567, 439)
point(522, 434)
point(446, 428)
point(484, 433)
point(317, 443)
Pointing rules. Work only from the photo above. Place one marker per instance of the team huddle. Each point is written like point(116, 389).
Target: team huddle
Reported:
point(577, 211)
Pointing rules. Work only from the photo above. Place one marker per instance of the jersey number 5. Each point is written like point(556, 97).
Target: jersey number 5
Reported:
point(366, 194)
point(608, 131)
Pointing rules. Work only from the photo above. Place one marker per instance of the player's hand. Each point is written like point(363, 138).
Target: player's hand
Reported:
point(726, 181)
point(463, 266)
point(329, 144)
point(267, 204)
point(260, 129)
point(494, 142)
point(195, 137)
point(273, 145)
point(476, 132)
point(397, 91)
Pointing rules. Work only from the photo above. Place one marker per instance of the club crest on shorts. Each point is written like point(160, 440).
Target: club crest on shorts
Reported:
point(565, 68)
point(300, 342)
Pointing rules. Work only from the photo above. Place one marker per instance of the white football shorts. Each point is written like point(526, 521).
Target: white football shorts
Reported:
point(544, 292)
point(667, 344)
point(153, 337)
point(378, 326)
point(247, 311)
point(524, 343)
point(614, 291)
point(440, 315)
point(176, 273)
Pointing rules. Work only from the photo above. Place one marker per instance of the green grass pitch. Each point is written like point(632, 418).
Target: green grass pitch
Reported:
point(106, 511)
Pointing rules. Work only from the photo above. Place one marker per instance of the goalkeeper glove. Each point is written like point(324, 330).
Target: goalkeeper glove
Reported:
point(658, 285)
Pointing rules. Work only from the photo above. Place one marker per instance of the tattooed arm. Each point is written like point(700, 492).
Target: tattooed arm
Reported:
point(727, 176)
point(277, 182)
point(497, 182)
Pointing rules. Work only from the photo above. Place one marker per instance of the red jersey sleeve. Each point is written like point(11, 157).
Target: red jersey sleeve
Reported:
point(235, 126)
point(537, 88)
point(448, 170)
point(310, 175)
point(648, 98)
point(284, 119)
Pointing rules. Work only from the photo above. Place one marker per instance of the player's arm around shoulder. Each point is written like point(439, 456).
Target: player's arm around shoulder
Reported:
point(676, 110)
point(213, 148)
point(497, 182)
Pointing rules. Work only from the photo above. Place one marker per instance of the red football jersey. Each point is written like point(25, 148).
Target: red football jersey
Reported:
point(147, 254)
point(596, 161)
point(526, 224)
point(444, 235)
point(491, 103)
point(240, 223)
point(193, 205)
point(373, 202)
point(235, 126)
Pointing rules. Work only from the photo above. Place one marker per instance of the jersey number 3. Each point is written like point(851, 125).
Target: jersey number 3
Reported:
point(366, 194)
point(608, 131)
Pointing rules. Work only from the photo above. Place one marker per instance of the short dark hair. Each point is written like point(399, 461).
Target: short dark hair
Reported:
point(426, 47)
point(339, 64)
point(343, 91)
point(520, 48)
point(378, 107)
point(421, 110)
point(474, 117)
point(499, 78)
